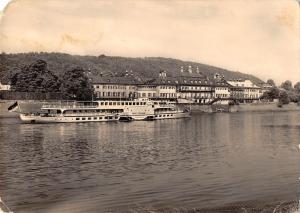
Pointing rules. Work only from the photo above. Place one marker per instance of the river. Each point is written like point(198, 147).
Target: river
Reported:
point(208, 160)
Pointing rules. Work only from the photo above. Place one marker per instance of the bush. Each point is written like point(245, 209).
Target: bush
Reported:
point(284, 97)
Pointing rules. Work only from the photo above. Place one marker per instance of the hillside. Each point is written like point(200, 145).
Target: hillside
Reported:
point(109, 65)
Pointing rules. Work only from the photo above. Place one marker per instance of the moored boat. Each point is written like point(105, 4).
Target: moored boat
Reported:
point(106, 110)
point(68, 112)
point(167, 110)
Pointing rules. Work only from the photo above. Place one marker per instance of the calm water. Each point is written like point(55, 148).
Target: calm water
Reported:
point(207, 160)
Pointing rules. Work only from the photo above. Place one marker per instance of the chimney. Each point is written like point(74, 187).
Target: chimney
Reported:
point(190, 69)
point(181, 69)
point(101, 74)
point(197, 71)
point(162, 74)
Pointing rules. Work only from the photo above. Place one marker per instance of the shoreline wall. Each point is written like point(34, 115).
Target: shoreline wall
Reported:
point(25, 106)
point(264, 107)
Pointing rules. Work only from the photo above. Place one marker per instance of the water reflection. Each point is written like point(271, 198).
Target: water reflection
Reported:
point(210, 159)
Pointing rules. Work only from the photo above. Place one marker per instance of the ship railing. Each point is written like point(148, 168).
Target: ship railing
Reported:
point(58, 106)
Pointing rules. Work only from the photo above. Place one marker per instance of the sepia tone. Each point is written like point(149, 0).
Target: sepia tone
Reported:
point(150, 106)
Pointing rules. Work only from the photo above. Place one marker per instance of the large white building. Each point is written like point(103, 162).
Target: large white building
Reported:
point(245, 90)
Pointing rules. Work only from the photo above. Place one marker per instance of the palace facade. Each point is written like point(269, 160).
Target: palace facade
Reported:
point(189, 87)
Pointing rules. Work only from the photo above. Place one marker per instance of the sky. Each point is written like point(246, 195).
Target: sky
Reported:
point(259, 37)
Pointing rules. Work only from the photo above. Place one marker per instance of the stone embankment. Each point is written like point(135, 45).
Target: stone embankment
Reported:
point(25, 106)
point(264, 107)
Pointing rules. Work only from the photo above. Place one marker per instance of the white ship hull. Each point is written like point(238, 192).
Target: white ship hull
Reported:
point(65, 119)
point(172, 115)
point(104, 111)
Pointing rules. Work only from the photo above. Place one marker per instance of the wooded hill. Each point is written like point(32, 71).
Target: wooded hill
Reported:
point(59, 63)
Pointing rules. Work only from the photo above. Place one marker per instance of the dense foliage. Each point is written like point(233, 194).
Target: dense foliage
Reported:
point(284, 97)
point(287, 85)
point(36, 77)
point(76, 85)
point(285, 94)
point(297, 87)
point(271, 82)
point(272, 94)
point(59, 63)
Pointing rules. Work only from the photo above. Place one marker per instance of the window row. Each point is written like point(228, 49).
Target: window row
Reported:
point(97, 118)
point(196, 88)
point(114, 87)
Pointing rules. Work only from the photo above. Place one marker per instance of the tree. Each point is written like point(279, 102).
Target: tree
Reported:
point(287, 85)
point(284, 97)
point(76, 85)
point(35, 78)
point(272, 94)
point(271, 82)
point(293, 96)
point(297, 87)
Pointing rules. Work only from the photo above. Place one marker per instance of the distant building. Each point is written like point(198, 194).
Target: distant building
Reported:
point(4, 86)
point(265, 87)
point(147, 91)
point(244, 90)
point(115, 87)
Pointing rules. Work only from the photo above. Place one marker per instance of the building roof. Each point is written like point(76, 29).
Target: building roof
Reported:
point(247, 84)
point(174, 81)
point(187, 81)
point(126, 80)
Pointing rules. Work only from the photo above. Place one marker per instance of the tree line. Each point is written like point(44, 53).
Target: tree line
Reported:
point(285, 93)
point(74, 84)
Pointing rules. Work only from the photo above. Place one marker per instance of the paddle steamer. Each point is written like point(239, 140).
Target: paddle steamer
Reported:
point(106, 110)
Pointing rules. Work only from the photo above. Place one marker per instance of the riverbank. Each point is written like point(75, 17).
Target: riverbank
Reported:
point(264, 107)
point(244, 107)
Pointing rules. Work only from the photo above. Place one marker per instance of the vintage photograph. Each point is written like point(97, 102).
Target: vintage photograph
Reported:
point(149, 106)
